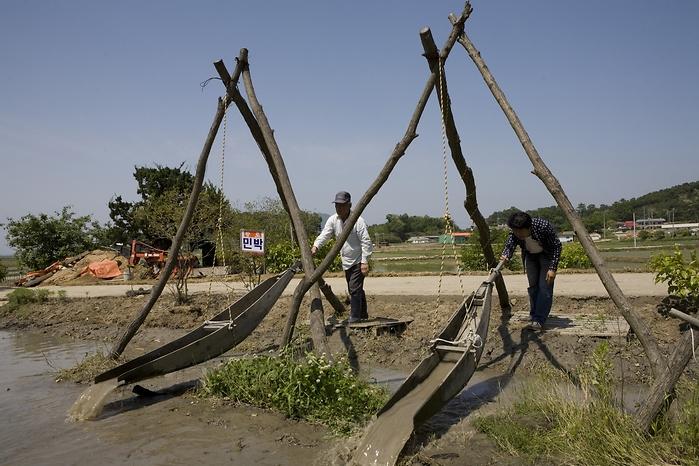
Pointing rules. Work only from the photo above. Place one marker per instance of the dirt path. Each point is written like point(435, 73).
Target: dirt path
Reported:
point(574, 284)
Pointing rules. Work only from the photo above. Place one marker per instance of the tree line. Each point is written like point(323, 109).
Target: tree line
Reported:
point(679, 203)
point(162, 196)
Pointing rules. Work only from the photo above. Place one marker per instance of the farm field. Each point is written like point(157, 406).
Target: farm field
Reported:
point(620, 256)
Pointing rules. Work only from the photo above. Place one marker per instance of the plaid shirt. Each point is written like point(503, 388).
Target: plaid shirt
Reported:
point(543, 232)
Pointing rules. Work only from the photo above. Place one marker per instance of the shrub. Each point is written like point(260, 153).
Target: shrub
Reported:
point(3, 272)
point(22, 296)
point(473, 258)
point(282, 255)
point(573, 256)
point(682, 277)
point(313, 389)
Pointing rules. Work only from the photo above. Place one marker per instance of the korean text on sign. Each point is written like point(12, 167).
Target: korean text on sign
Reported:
point(252, 241)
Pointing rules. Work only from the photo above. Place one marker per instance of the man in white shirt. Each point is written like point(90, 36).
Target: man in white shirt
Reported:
point(354, 253)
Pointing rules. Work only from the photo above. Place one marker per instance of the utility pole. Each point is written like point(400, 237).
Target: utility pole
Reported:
point(604, 228)
point(634, 229)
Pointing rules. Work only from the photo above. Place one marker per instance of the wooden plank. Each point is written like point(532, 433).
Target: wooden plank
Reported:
point(378, 325)
point(581, 324)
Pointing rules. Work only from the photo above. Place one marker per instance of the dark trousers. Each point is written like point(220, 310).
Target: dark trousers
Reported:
point(540, 292)
point(355, 287)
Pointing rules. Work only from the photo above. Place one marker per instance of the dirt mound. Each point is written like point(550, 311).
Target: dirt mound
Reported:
point(74, 272)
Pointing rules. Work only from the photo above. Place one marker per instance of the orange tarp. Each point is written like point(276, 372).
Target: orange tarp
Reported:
point(103, 269)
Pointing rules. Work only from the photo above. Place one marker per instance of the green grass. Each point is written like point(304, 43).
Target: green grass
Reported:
point(554, 420)
point(313, 389)
point(620, 256)
point(18, 298)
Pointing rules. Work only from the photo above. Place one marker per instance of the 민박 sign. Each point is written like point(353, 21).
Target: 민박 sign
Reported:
point(252, 241)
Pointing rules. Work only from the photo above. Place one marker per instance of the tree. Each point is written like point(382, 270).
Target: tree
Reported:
point(404, 226)
point(164, 193)
point(40, 240)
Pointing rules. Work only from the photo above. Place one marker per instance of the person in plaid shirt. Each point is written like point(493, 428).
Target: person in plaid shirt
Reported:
point(541, 251)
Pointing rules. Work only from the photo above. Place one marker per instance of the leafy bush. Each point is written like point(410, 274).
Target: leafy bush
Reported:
point(573, 256)
point(22, 296)
point(682, 277)
point(282, 255)
point(659, 234)
point(43, 239)
point(313, 389)
point(473, 258)
point(3, 272)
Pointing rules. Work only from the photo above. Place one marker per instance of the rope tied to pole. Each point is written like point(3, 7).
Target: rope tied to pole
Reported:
point(448, 222)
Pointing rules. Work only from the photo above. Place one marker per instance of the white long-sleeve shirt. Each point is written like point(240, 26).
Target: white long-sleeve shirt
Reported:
point(358, 246)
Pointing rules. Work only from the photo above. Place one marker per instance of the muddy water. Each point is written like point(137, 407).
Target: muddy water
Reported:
point(170, 429)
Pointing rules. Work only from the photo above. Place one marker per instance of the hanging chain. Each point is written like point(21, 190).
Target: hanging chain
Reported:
point(448, 223)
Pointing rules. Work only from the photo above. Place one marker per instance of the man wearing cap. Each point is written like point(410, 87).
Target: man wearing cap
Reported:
point(354, 253)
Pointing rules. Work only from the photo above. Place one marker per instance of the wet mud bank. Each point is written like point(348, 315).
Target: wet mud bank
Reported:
point(176, 418)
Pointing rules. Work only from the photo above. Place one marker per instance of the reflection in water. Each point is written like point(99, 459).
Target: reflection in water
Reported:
point(163, 430)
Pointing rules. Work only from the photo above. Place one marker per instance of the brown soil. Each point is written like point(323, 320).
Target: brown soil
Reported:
point(509, 347)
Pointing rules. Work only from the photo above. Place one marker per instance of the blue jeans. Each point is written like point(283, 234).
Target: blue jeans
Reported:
point(540, 292)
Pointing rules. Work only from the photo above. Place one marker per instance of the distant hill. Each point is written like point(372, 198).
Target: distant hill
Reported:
point(679, 203)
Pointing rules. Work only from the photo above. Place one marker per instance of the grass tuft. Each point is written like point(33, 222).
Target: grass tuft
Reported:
point(313, 389)
point(586, 426)
point(90, 367)
point(21, 296)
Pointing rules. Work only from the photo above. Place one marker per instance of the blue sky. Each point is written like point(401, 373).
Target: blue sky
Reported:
point(89, 89)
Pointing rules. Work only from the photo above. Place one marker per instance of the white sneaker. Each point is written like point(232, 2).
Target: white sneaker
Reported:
point(534, 325)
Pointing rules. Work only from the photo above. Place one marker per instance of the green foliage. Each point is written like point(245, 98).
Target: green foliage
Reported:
point(683, 431)
point(682, 276)
point(404, 226)
point(313, 389)
point(678, 202)
point(268, 214)
point(22, 296)
point(659, 234)
point(596, 375)
point(40, 240)
point(549, 420)
point(473, 257)
point(573, 256)
point(155, 181)
point(164, 195)
point(281, 256)
point(3, 272)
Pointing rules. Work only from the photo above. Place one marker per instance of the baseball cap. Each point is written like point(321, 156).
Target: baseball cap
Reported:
point(342, 197)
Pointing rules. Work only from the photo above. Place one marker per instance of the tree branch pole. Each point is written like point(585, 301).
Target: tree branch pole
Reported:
point(452, 133)
point(641, 330)
point(256, 132)
point(660, 394)
point(320, 341)
point(393, 159)
point(179, 236)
